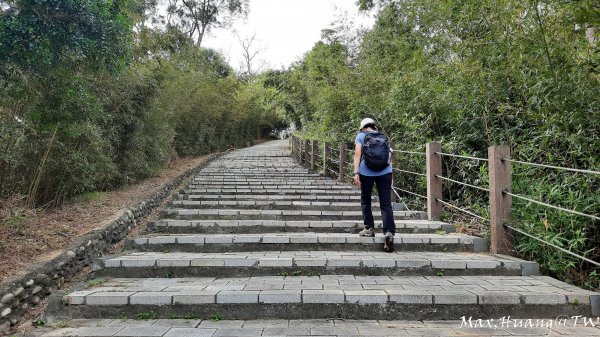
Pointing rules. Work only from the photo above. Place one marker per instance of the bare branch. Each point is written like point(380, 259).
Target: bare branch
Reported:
point(249, 53)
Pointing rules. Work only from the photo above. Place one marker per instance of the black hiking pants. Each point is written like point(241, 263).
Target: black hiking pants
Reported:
point(384, 187)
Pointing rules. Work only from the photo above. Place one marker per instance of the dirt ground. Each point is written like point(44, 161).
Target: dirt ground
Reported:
point(28, 236)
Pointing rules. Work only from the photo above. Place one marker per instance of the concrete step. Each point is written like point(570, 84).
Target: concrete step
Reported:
point(270, 182)
point(222, 243)
point(269, 191)
point(257, 172)
point(203, 326)
point(272, 191)
point(272, 204)
point(312, 197)
point(202, 180)
point(262, 197)
point(180, 264)
point(295, 185)
point(267, 226)
point(276, 214)
point(340, 296)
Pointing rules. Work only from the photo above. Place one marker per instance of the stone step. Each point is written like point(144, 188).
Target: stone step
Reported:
point(202, 180)
point(257, 187)
point(221, 243)
point(256, 172)
point(269, 191)
point(271, 184)
point(303, 197)
point(203, 326)
point(340, 296)
point(180, 264)
point(276, 214)
point(267, 226)
point(272, 204)
point(304, 184)
point(224, 173)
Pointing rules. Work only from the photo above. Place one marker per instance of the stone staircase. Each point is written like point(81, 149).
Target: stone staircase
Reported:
point(256, 236)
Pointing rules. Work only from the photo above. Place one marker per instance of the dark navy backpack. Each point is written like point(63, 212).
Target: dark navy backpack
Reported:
point(376, 151)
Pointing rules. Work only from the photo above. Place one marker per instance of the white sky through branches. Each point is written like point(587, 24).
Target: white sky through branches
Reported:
point(285, 29)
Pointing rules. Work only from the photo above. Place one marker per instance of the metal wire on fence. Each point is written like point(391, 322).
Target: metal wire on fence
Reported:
point(461, 209)
point(552, 245)
point(464, 184)
point(405, 171)
point(458, 156)
point(409, 192)
point(409, 152)
point(400, 198)
point(551, 166)
point(551, 206)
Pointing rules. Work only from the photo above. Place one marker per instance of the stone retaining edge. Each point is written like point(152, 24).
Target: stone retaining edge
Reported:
point(18, 295)
point(360, 311)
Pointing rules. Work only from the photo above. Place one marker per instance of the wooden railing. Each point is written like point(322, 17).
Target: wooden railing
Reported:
point(335, 162)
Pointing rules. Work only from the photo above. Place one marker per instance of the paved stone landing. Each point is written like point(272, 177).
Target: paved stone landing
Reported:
point(333, 289)
point(208, 328)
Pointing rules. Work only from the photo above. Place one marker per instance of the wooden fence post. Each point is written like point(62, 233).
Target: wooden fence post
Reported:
point(500, 203)
point(306, 152)
point(326, 153)
point(314, 147)
point(434, 184)
point(343, 160)
point(298, 151)
point(295, 147)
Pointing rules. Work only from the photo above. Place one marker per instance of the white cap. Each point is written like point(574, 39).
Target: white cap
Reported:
point(366, 121)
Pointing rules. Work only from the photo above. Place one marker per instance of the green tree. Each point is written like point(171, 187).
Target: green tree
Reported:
point(40, 36)
point(472, 74)
point(198, 17)
point(92, 98)
point(48, 50)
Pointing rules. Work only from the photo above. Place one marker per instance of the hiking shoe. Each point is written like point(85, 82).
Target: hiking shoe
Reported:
point(388, 244)
point(367, 232)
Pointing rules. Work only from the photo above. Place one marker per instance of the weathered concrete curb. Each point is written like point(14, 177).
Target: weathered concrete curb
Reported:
point(20, 294)
point(281, 247)
point(362, 311)
point(252, 271)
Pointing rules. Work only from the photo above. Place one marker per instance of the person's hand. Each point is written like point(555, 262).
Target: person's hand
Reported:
point(356, 180)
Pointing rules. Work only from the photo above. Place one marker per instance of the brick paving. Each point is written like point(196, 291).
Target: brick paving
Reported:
point(351, 289)
point(322, 327)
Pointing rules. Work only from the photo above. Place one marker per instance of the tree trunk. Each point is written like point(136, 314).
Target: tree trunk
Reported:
point(200, 36)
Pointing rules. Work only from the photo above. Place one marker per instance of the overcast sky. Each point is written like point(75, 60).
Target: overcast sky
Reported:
point(285, 29)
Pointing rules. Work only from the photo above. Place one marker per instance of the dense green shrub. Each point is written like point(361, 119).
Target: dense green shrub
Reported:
point(87, 103)
point(470, 75)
